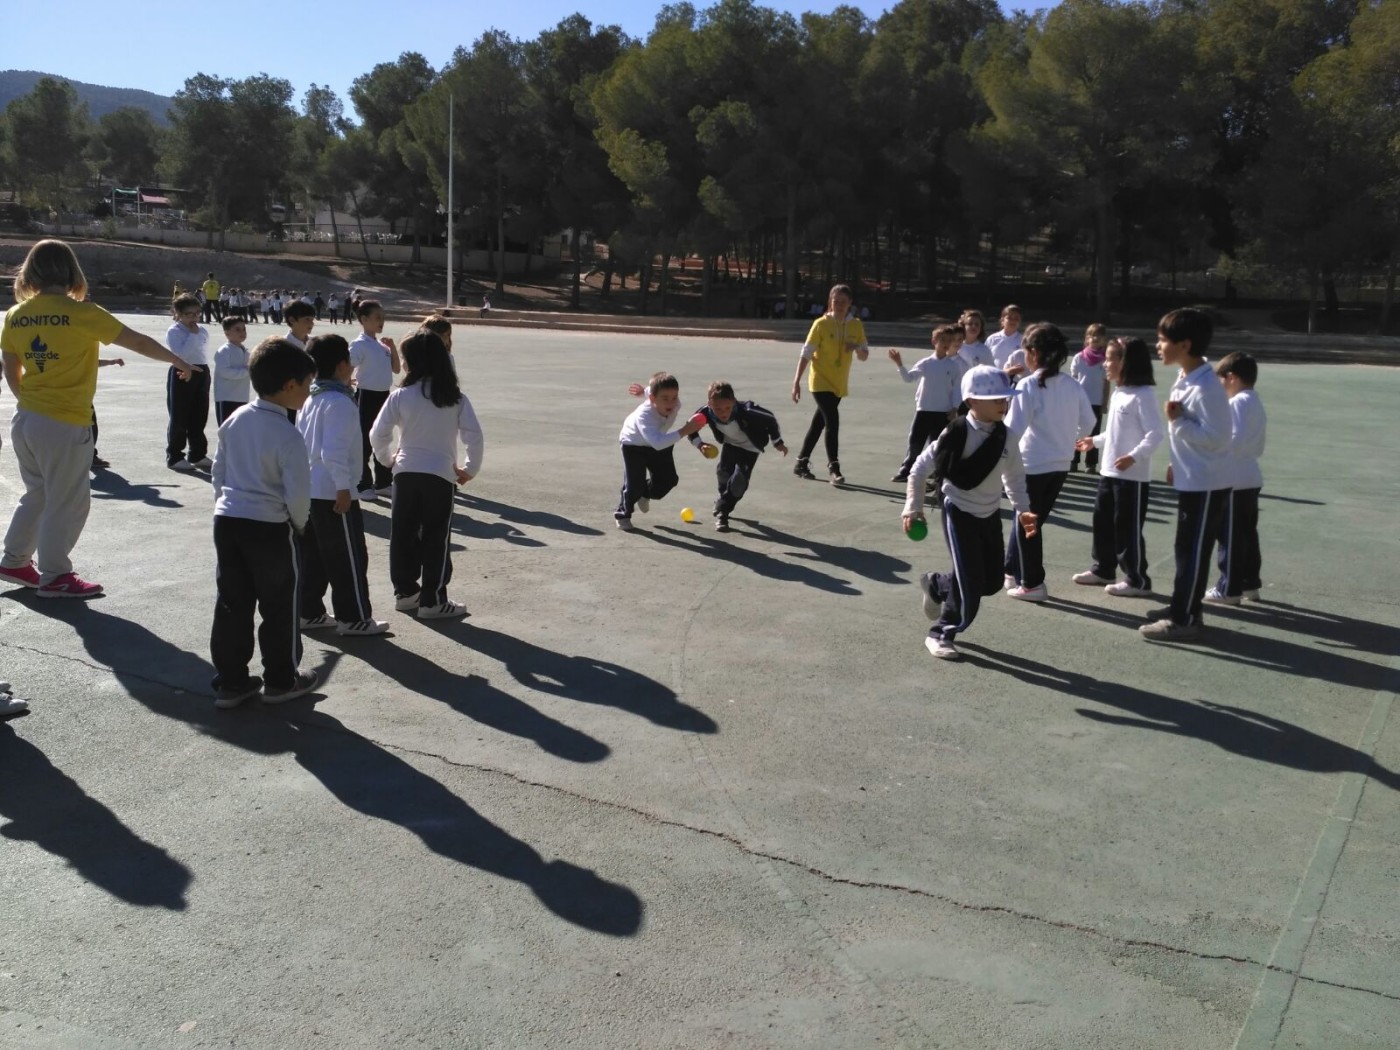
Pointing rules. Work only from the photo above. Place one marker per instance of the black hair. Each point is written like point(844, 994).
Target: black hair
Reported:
point(1137, 363)
point(429, 364)
point(297, 309)
point(365, 306)
point(275, 362)
point(722, 390)
point(231, 320)
point(1051, 350)
point(328, 351)
point(1188, 323)
point(1239, 363)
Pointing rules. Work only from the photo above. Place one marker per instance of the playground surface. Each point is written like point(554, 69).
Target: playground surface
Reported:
point(677, 788)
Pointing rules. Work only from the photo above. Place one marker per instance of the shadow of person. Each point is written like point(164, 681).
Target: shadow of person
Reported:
point(108, 484)
point(873, 565)
point(589, 681)
point(536, 518)
point(357, 771)
point(1335, 629)
point(1249, 734)
point(463, 527)
point(476, 698)
point(754, 561)
point(47, 807)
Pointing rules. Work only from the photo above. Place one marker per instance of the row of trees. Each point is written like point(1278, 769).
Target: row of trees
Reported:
point(1267, 130)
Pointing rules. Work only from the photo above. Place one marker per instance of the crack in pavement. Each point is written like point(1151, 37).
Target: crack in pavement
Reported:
point(745, 848)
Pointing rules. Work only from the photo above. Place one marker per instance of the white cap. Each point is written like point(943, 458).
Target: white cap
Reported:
point(985, 383)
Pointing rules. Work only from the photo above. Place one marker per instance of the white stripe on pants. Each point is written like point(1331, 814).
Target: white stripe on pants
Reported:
point(55, 460)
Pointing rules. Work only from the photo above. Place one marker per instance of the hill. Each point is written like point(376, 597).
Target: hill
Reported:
point(100, 100)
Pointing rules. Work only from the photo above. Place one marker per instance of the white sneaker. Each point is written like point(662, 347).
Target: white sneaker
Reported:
point(184, 466)
point(1124, 589)
point(12, 705)
point(1216, 597)
point(1252, 596)
point(361, 627)
point(1029, 594)
point(941, 647)
point(407, 602)
point(315, 623)
point(367, 495)
point(1090, 578)
point(1009, 582)
point(932, 603)
point(441, 612)
point(203, 463)
point(1168, 631)
point(625, 524)
point(644, 505)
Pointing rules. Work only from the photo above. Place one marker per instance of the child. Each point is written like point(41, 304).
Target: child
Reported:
point(334, 542)
point(648, 453)
point(231, 370)
point(262, 496)
point(375, 359)
point(939, 393)
point(333, 308)
point(187, 392)
point(1198, 434)
point(300, 318)
point(1239, 529)
point(1133, 431)
point(1048, 415)
point(833, 342)
point(49, 343)
point(1005, 343)
point(743, 429)
point(431, 413)
point(974, 351)
point(972, 461)
point(1086, 369)
point(98, 463)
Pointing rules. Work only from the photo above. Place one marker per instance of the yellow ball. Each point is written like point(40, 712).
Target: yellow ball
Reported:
point(711, 451)
point(687, 514)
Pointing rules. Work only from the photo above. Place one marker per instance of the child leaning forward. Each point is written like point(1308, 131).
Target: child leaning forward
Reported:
point(974, 459)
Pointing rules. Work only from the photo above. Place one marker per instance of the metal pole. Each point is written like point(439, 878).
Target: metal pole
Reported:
point(450, 152)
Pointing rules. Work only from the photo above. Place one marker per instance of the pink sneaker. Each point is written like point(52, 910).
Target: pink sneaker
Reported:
point(70, 585)
point(25, 575)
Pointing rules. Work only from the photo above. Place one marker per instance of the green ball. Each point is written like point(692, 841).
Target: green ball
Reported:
point(918, 529)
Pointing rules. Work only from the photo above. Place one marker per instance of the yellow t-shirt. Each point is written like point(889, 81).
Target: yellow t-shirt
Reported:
point(210, 289)
point(56, 340)
point(833, 343)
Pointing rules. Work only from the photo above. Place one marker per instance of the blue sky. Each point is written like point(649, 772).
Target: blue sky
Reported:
point(329, 44)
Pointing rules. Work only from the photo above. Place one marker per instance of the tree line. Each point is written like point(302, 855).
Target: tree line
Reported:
point(1265, 133)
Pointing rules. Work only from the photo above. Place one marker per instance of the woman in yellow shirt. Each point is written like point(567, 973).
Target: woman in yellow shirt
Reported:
point(834, 340)
point(49, 343)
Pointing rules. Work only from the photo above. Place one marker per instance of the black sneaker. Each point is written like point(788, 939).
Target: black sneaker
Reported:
point(303, 683)
point(802, 471)
point(722, 523)
point(834, 474)
point(900, 477)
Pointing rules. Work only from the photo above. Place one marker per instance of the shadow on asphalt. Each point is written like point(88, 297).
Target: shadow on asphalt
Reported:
point(1233, 729)
point(47, 807)
point(108, 484)
point(358, 772)
point(873, 565)
point(755, 561)
point(535, 518)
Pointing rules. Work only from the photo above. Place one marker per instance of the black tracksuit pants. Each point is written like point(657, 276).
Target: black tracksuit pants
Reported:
point(375, 474)
point(977, 549)
point(1240, 561)
point(1091, 458)
point(732, 472)
point(1197, 525)
point(826, 424)
point(259, 568)
point(420, 537)
point(1120, 511)
point(647, 473)
point(187, 404)
point(1025, 556)
point(925, 428)
point(335, 555)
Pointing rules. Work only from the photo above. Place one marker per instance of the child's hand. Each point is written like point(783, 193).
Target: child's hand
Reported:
point(462, 476)
point(909, 519)
point(1029, 525)
point(118, 362)
point(1123, 462)
point(692, 425)
point(862, 353)
point(637, 390)
point(796, 392)
point(781, 447)
point(896, 358)
point(342, 501)
point(1084, 445)
point(705, 447)
point(1173, 410)
point(388, 342)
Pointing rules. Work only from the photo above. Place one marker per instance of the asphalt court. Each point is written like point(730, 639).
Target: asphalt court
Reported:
point(681, 788)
